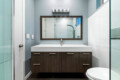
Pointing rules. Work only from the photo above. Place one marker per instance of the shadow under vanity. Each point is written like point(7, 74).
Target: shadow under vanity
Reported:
point(61, 59)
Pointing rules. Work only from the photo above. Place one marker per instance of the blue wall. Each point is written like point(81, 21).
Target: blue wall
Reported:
point(98, 3)
point(77, 7)
point(91, 7)
point(29, 29)
point(36, 8)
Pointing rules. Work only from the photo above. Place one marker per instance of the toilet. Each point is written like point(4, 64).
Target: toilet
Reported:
point(98, 73)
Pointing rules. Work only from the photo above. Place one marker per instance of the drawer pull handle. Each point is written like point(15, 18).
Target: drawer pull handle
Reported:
point(36, 53)
point(86, 53)
point(86, 64)
point(70, 53)
point(52, 53)
point(36, 64)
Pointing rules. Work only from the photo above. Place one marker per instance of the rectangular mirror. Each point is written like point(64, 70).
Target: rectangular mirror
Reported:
point(57, 27)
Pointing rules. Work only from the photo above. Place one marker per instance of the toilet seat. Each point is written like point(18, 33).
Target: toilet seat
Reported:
point(98, 74)
point(90, 78)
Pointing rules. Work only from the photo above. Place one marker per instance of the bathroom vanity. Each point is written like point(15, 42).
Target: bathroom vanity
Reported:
point(61, 59)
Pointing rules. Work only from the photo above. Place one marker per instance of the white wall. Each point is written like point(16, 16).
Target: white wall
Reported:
point(98, 36)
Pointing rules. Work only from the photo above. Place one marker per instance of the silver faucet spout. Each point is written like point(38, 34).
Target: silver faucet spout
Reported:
point(61, 42)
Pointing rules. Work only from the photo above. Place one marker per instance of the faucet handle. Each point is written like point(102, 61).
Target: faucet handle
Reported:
point(61, 42)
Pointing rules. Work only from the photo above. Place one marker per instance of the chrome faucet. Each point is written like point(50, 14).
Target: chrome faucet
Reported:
point(61, 42)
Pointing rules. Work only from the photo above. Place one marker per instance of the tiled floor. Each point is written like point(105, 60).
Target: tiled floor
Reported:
point(57, 77)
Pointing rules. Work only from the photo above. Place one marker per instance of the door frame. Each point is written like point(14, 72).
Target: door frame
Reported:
point(18, 19)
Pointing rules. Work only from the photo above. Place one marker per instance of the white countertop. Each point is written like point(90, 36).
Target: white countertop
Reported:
point(59, 48)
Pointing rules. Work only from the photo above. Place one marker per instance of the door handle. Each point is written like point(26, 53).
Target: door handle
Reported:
point(21, 45)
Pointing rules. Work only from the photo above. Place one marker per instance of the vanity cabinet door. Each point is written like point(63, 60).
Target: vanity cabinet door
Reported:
point(70, 62)
point(50, 62)
point(54, 62)
point(46, 62)
point(86, 60)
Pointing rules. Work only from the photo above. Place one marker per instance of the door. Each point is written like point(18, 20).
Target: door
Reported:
point(45, 62)
point(5, 39)
point(19, 38)
point(115, 39)
point(70, 62)
point(54, 62)
point(50, 62)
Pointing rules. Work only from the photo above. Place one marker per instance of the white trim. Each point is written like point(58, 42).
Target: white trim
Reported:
point(13, 39)
point(23, 24)
point(19, 38)
point(28, 75)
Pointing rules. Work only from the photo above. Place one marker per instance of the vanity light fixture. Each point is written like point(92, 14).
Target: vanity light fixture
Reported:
point(61, 10)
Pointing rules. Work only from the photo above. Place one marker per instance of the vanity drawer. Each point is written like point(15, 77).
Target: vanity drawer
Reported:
point(35, 67)
point(36, 57)
point(85, 58)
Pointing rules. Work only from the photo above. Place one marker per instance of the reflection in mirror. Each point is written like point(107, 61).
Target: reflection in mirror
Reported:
point(61, 27)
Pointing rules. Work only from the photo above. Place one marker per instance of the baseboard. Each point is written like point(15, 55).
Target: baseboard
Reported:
point(28, 75)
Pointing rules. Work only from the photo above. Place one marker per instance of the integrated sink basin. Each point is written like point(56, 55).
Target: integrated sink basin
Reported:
point(59, 48)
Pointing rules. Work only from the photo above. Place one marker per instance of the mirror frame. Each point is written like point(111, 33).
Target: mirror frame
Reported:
point(60, 38)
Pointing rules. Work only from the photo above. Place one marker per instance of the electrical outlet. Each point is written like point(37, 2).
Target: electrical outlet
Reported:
point(32, 36)
point(27, 36)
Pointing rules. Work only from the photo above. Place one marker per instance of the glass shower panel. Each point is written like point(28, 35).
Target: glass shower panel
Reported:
point(5, 39)
point(115, 40)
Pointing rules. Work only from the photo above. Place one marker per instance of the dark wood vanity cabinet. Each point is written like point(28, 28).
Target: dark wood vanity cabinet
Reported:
point(64, 62)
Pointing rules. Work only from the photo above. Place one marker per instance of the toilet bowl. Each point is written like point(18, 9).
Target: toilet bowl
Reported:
point(98, 73)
